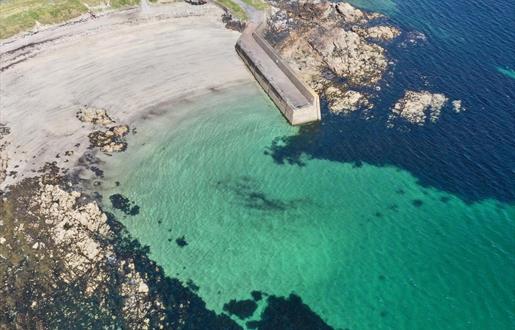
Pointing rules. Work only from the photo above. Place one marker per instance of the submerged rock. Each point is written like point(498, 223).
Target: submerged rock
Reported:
point(181, 241)
point(288, 313)
point(241, 308)
point(124, 204)
point(256, 295)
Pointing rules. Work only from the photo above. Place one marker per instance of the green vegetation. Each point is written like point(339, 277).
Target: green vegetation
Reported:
point(234, 8)
point(21, 15)
point(258, 4)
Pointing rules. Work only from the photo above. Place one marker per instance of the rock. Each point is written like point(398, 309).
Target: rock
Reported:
point(107, 141)
point(352, 15)
point(328, 45)
point(2, 240)
point(349, 13)
point(383, 33)
point(94, 116)
point(417, 107)
point(349, 56)
point(196, 2)
point(233, 23)
point(142, 287)
point(345, 101)
point(120, 130)
point(457, 106)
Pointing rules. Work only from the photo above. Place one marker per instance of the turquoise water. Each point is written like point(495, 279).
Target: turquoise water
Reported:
point(366, 247)
point(507, 72)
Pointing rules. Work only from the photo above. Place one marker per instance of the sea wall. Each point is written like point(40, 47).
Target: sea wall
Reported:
point(297, 102)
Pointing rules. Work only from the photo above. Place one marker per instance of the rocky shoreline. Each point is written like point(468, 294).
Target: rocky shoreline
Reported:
point(66, 263)
point(335, 47)
point(342, 52)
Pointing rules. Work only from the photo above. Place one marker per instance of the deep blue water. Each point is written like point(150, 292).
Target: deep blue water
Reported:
point(470, 154)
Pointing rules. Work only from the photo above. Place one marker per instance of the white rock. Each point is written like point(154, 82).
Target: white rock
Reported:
point(382, 32)
point(457, 106)
point(417, 107)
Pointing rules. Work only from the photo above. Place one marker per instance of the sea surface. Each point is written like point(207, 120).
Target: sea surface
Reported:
point(372, 226)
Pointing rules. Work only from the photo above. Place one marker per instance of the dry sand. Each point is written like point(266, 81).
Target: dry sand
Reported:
point(129, 63)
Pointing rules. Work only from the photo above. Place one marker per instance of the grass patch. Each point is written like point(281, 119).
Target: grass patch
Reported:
point(234, 8)
point(258, 4)
point(21, 15)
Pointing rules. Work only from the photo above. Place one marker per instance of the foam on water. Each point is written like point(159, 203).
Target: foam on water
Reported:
point(366, 247)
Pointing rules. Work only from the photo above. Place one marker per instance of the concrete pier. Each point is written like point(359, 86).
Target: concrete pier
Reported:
point(294, 98)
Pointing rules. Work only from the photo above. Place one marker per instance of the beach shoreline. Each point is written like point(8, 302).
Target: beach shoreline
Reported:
point(133, 64)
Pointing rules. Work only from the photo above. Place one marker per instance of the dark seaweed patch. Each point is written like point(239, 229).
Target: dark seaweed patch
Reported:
point(288, 314)
point(417, 202)
point(253, 324)
point(445, 199)
point(251, 196)
point(98, 172)
point(181, 241)
point(241, 308)
point(124, 204)
point(256, 295)
point(192, 286)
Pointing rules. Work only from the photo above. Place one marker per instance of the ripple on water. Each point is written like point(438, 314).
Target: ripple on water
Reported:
point(362, 246)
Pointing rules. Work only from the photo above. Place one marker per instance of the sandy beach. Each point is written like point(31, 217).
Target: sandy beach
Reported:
point(134, 64)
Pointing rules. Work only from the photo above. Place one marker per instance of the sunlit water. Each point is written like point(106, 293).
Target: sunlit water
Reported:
point(365, 247)
point(373, 227)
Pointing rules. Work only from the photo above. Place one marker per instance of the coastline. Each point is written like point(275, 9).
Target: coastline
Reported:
point(63, 259)
point(130, 63)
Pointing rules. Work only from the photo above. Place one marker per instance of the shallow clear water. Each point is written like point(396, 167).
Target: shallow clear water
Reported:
point(365, 247)
point(373, 227)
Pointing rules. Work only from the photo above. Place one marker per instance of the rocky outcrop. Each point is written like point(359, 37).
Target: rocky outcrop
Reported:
point(380, 33)
point(344, 101)
point(59, 265)
point(65, 263)
point(94, 116)
point(418, 107)
point(232, 23)
point(111, 140)
point(457, 106)
point(349, 56)
point(112, 137)
point(354, 15)
point(332, 45)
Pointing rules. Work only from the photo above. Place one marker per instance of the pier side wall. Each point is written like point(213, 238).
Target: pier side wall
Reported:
point(296, 114)
point(267, 87)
